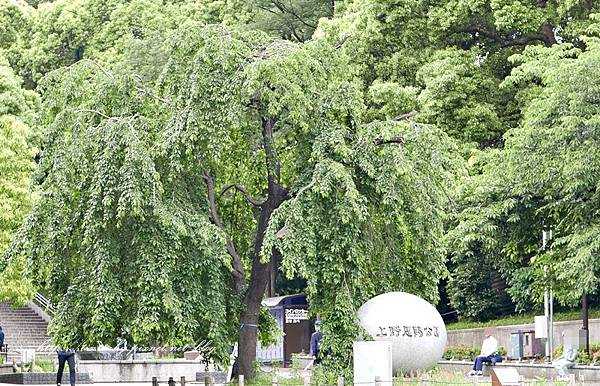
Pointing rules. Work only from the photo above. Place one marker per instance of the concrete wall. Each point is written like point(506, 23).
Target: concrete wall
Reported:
point(474, 336)
point(6, 368)
point(140, 370)
point(41, 378)
point(527, 370)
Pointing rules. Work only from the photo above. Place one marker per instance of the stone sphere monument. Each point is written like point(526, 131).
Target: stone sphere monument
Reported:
point(414, 327)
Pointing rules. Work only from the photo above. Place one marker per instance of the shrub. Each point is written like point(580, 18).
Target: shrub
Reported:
point(461, 352)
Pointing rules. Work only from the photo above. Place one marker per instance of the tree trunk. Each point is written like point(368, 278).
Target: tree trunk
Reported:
point(260, 275)
point(259, 279)
point(548, 35)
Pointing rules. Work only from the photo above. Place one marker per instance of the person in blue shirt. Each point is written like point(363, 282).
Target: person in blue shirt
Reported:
point(66, 356)
point(315, 341)
point(1, 338)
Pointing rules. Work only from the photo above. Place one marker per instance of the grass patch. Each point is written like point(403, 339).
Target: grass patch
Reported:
point(523, 319)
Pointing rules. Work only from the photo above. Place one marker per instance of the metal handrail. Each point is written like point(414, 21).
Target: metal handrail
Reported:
point(44, 303)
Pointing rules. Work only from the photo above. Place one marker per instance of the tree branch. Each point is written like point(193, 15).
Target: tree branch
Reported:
point(523, 40)
point(291, 11)
point(273, 165)
point(238, 267)
point(380, 141)
point(243, 190)
point(342, 41)
point(405, 116)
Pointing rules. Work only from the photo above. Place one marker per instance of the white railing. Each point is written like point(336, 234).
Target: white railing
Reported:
point(44, 303)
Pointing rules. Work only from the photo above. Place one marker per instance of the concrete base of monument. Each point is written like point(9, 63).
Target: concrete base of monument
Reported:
point(41, 378)
point(527, 370)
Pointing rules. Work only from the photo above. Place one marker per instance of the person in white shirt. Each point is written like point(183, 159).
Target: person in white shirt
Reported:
point(488, 354)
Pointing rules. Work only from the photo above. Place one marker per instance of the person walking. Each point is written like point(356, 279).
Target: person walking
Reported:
point(3, 351)
point(66, 356)
point(315, 341)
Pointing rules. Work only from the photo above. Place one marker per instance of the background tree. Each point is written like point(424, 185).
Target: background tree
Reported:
point(546, 178)
point(16, 169)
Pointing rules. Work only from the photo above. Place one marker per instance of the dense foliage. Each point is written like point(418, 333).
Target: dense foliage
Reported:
point(187, 161)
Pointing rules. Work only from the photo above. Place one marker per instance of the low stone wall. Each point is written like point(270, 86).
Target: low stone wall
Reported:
point(474, 336)
point(527, 370)
point(41, 378)
point(6, 368)
point(218, 377)
point(140, 370)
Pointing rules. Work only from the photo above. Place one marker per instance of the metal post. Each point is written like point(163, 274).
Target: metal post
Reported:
point(378, 381)
point(551, 328)
point(585, 318)
point(182, 381)
point(241, 380)
point(154, 381)
point(340, 381)
point(171, 382)
point(425, 379)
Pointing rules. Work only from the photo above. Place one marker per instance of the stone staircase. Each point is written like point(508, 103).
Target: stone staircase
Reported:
point(24, 329)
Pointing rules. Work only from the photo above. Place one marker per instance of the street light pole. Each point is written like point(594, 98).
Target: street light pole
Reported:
point(548, 301)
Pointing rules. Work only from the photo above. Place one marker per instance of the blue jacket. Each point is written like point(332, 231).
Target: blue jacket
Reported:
point(1, 338)
point(315, 340)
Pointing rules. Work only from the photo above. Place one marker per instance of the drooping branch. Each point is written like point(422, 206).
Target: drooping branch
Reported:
point(238, 267)
point(244, 191)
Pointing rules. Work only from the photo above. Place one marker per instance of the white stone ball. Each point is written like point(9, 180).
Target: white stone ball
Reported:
point(413, 326)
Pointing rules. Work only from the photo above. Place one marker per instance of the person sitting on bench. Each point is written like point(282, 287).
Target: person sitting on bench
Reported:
point(489, 354)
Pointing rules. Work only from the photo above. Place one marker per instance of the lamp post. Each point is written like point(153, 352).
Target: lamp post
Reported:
point(548, 300)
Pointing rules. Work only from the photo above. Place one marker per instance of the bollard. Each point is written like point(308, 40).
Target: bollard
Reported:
point(571, 379)
point(208, 381)
point(171, 382)
point(154, 381)
point(340, 381)
point(425, 379)
point(241, 380)
point(182, 381)
point(378, 381)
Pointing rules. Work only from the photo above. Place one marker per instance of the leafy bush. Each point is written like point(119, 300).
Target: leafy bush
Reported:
point(583, 358)
point(502, 351)
point(44, 366)
point(461, 352)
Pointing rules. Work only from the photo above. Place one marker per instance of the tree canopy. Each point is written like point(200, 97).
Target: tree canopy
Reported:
point(192, 152)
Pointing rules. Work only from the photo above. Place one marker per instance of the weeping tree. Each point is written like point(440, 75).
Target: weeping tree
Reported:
point(167, 204)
